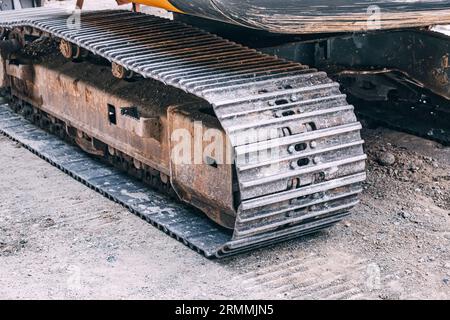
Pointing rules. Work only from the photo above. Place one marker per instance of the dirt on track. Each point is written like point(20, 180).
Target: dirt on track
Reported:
point(59, 239)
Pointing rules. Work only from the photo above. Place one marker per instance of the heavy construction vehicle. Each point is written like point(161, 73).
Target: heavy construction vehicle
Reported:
point(264, 145)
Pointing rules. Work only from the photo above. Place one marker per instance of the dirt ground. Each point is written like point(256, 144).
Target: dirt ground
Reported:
point(59, 239)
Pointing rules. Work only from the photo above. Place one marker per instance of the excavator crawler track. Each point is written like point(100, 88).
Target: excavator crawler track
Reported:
point(179, 221)
point(316, 176)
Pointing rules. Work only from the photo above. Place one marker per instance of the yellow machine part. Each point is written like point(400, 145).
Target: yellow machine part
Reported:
point(163, 4)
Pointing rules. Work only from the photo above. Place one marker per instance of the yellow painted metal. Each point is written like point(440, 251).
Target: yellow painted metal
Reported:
point(164, 4)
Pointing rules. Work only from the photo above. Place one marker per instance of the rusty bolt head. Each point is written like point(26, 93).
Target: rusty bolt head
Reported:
point(66, 49)
point(118, 71)
point(164, 178)
point(111, 150)
point(137, 164)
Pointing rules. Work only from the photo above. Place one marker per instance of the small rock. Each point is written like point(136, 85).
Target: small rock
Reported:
point(347, 224)
point(7, 250)
point(386, 159)
point(47, 223)
point(446, 281)
point(405, 215)
point(111, 259)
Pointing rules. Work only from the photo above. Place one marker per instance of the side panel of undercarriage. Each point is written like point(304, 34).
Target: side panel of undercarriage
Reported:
point(139, 122)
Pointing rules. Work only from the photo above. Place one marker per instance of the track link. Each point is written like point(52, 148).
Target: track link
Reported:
point(315, 177)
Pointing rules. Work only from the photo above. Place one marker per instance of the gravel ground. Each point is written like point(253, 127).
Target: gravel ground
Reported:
point(59, 239)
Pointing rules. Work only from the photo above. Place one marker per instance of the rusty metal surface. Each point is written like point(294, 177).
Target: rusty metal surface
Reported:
point(145, 136)
point(4, 80)
point(85, 106)
point(208, 186)
point(320, 163)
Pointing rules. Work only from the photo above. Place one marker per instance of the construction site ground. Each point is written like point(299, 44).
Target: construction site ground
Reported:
point(60, 239)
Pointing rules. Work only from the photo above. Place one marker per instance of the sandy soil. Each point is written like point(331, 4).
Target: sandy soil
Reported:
point(59, 239)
